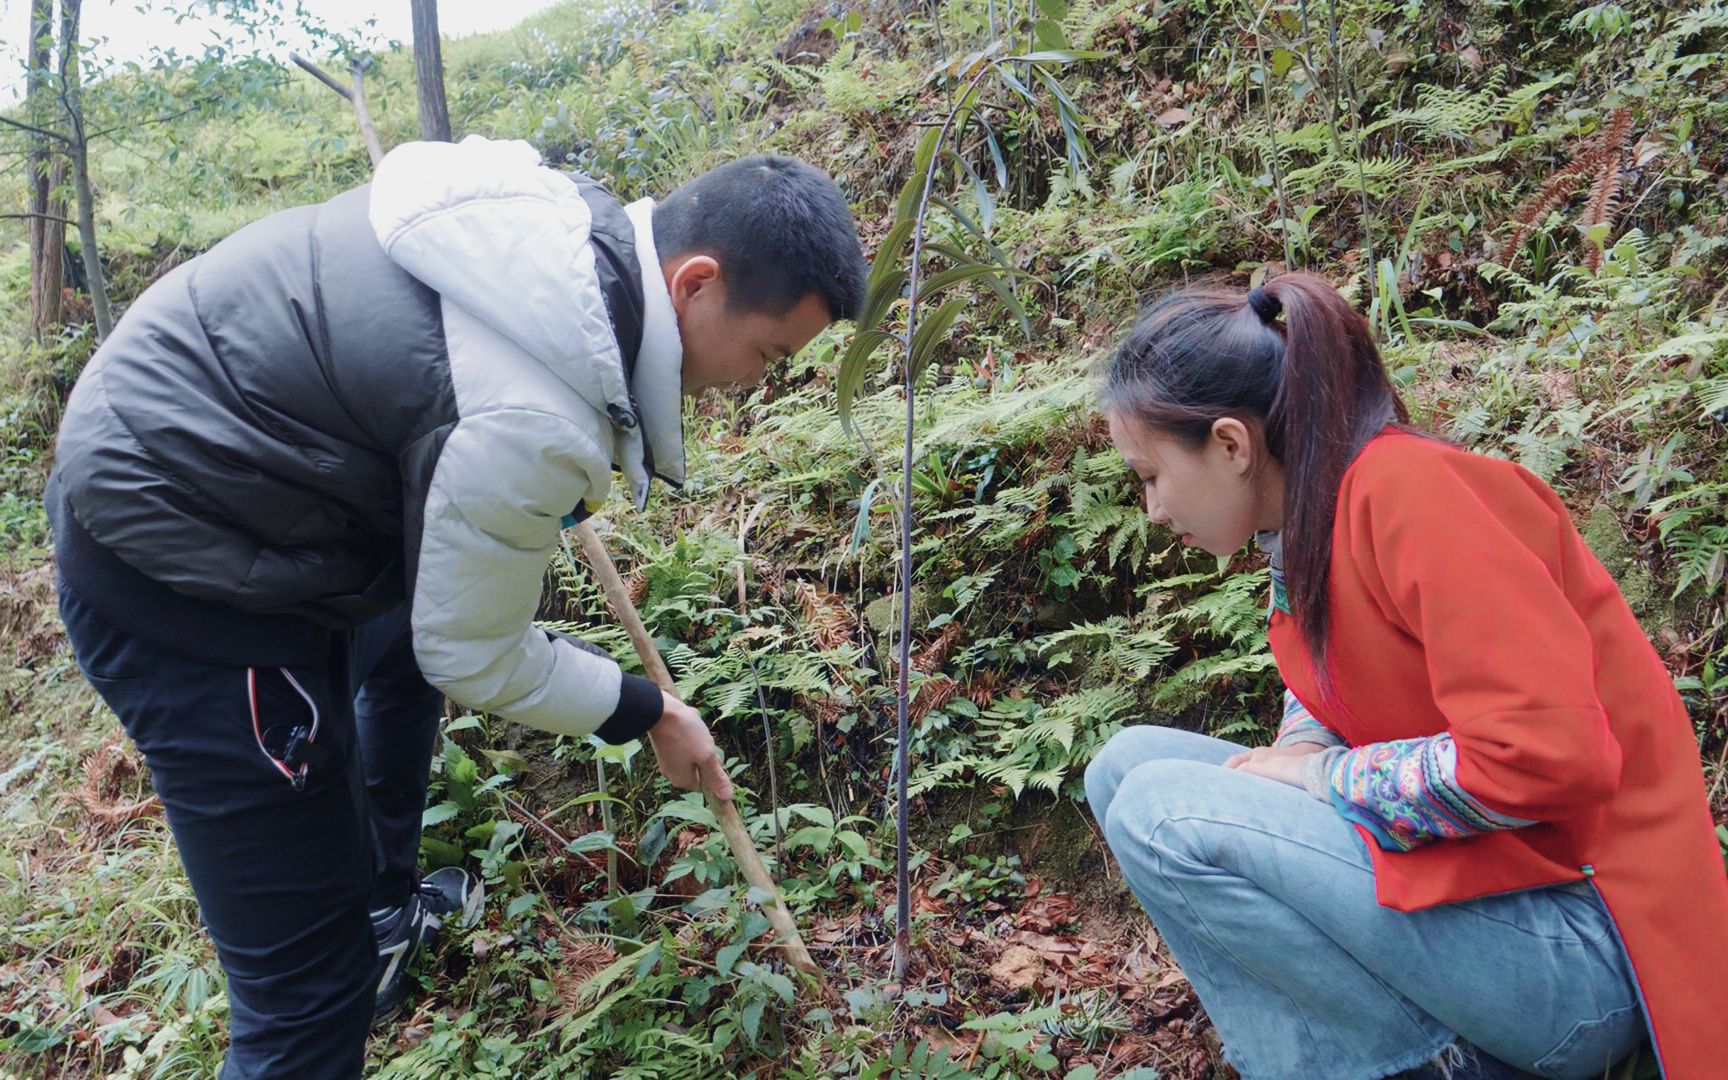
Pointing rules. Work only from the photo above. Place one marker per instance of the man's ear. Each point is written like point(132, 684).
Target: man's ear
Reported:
point(1232, 436)
point(688, 277)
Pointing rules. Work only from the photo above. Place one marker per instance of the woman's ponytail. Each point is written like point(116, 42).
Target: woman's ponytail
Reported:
point(1333, 396)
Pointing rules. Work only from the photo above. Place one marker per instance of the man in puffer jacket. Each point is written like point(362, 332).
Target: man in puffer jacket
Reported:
point(312, 482)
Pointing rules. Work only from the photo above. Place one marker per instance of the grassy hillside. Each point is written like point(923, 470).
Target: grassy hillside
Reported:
point(1529, 199)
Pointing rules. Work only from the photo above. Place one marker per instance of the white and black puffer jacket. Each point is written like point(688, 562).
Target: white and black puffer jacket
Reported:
point(402, 393)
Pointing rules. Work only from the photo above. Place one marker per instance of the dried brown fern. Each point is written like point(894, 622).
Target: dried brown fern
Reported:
point(582, 959)
point(27, 614)
point(772, 576)
point(936, 654)
point(637, 586)
point(1605, 189)
point(933, 693)
point(1603, 158)
point(984, 687)
point(832, 623)
point(1554, 193)
point(113, 792)
point(826, 712)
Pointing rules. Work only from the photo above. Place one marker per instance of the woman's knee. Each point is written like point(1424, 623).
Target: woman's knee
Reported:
point(1133, 747)
point(1153, 795)
point(1127, 749)
point(1149, 822)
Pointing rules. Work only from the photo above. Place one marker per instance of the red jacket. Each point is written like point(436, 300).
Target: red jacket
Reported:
point(1463, 599)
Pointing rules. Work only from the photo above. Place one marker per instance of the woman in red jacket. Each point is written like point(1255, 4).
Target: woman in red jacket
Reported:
point(1480, 843)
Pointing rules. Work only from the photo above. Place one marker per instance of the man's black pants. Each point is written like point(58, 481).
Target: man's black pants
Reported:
point(295, 796)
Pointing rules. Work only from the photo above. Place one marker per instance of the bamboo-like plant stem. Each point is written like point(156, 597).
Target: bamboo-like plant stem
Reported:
point(607, 822)
point(902, 691)
point(1272, 141)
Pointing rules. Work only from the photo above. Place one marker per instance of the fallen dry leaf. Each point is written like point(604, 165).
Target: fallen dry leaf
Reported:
point(1019, 968)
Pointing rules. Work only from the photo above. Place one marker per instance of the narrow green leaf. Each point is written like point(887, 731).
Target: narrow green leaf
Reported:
point(996, 254)
point(914, 189)
point(935, 283)
point(1056, 56)
point(889, 254)
point(932, 332)
point(995, 151)
point(879, 300)
point(852, 368)
point(993, 280)
point(1012, 81)
point(861, 529)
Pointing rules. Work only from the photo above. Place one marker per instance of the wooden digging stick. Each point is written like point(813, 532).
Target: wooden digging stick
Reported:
point(749, 859)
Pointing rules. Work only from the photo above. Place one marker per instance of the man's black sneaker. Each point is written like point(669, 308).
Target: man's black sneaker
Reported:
point(453, 893)
point(403, 931)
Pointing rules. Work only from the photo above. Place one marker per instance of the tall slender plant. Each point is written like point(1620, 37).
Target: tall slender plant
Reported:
point(917, 343)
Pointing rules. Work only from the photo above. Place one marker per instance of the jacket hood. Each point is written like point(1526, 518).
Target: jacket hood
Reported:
point(492, 230)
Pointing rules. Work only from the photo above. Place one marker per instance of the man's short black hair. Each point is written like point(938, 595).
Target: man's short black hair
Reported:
point(779, 228)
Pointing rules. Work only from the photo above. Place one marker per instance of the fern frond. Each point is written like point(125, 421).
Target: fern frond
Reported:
point(1551, 196)
point(1712, 395)
point(832, 623)
point(1602, 160)
point(1605, 189)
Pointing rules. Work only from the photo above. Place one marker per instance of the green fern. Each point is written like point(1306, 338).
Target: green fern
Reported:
point(1459, 114)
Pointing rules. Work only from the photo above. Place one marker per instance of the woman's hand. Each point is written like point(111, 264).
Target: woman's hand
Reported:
point(686, 752)
point(1280, 763)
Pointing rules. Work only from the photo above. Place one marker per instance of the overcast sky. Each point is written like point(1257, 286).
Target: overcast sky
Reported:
point(133, 34)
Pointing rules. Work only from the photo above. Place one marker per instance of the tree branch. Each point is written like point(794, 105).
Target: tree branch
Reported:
point(319, 73)
point(66, 139)
point(94, 135)
point(374, 148)
point(43, 217)
point(356, 97)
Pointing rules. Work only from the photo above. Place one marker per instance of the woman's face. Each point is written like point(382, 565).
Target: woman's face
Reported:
point(1212, 497)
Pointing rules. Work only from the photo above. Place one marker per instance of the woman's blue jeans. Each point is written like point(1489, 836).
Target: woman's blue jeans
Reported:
point(1266, 898)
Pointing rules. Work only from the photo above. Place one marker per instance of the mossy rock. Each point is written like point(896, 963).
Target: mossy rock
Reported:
point(883, 613)
point(1605, 536)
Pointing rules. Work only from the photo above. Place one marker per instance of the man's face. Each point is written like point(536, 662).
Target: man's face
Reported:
point(724, 347)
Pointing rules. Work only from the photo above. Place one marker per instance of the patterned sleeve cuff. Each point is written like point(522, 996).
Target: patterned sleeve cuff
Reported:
point(1406, 793)
point(1299, 726)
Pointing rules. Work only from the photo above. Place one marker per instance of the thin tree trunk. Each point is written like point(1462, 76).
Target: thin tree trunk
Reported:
point(46, 171)
point(71, 95)
point(429, 73)
point(364, 117)
point(355, 96)
point(94, 275)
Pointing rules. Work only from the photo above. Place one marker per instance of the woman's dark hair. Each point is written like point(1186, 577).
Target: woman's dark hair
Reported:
point(1312, 384)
